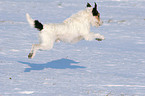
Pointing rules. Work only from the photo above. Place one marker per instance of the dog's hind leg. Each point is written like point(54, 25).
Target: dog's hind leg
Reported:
point(36, 47)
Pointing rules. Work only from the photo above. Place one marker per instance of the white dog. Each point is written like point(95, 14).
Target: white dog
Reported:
point(71, 30)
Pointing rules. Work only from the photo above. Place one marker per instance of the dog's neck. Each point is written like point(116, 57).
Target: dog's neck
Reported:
point(82, 17)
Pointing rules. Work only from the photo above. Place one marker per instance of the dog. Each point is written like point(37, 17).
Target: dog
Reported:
point(71, 30)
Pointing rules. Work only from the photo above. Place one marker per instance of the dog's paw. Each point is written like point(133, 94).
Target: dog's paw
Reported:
point(101, 38)
point(98, 39)
point(30, 56)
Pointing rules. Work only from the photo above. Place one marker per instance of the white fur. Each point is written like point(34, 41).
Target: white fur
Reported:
point(71, 30)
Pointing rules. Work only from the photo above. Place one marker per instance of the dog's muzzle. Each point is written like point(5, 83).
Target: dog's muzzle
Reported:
point(100, 23)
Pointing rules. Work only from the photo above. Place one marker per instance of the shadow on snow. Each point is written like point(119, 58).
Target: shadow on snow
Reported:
point(56, 64)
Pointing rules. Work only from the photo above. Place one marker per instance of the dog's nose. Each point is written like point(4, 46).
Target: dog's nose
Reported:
point(101, 22)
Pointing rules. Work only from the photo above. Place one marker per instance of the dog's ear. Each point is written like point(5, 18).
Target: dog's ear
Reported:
point(88, 5)
point(94, 11)
point(95, 6)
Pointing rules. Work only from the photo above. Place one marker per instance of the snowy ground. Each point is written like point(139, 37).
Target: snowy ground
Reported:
point(113, 67)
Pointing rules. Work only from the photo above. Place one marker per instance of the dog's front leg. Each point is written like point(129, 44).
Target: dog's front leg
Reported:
point(92, 36)
point(99, 37)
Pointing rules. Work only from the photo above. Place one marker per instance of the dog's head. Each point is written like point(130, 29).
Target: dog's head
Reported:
point(95, 16)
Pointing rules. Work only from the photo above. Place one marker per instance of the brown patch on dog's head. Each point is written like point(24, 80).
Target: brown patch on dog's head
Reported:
point(98, 17)
point(95, 13)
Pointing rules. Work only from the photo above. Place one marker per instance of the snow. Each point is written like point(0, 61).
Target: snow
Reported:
point(113, 67)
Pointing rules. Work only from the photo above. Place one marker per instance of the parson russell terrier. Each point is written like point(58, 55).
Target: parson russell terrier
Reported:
point(71, 30)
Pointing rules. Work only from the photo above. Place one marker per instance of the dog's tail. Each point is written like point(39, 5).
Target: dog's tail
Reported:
point(34, 23)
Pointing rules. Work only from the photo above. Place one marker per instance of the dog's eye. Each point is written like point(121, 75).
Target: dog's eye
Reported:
point(98, 15)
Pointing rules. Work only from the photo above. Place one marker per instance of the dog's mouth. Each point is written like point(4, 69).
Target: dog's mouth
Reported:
point(100, 23)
